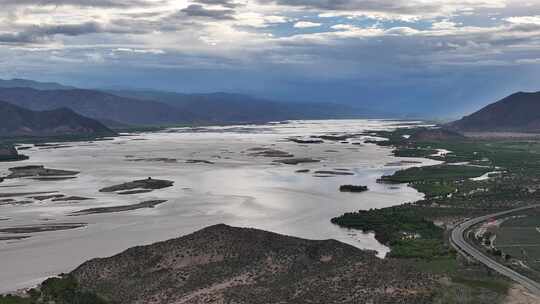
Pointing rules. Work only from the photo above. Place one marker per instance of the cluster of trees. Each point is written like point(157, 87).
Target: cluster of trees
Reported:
point(401, 227)
point(61, 290)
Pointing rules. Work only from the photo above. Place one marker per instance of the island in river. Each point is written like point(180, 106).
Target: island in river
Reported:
point(238, 189)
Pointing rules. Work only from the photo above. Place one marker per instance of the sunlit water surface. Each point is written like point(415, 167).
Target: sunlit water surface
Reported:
point(238, 189)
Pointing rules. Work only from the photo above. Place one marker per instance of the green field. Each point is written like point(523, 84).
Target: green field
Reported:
point(520, 238)
point(450, 196)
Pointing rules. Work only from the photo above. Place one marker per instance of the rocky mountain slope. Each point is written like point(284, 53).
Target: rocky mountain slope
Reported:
point(222, 264)
point(519, 112)
point(18, 121)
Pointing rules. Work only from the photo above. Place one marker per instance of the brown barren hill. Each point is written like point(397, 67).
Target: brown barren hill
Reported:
point(223, 264)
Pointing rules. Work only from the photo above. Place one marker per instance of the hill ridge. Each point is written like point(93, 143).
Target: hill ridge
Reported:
point(518, 112)
point(224, 264)
point(19, 121)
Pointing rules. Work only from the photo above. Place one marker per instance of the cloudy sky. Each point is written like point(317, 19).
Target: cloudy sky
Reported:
point(442, 56)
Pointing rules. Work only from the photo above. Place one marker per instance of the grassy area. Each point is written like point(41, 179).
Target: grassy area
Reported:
point(495, 284)
point(9, 299)
point(484, 291)
point(407, 232)
point(451, 195)
point(62, 290)
point(435, 181)
point(520, 156)
point(419, 248)
point(519, 238)
point(443, 266)
point(435, 189)
point(439, 173)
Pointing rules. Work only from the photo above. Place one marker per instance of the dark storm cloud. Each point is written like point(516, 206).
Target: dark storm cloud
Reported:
point(35, 34)
point(196, 10)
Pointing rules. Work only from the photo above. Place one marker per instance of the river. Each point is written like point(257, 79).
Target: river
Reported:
point(236, 189)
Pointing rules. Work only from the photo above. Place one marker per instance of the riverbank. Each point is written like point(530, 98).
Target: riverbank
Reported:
point(418, 231)
point(238, 188)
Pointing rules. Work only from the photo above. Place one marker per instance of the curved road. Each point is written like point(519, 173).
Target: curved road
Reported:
point(457, 239)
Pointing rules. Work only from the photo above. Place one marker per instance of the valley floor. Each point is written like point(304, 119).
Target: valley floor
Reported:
point(286, 179)
point(249, 176)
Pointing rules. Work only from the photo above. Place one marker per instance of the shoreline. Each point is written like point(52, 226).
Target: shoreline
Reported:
point(418, 232)
point(270, 172)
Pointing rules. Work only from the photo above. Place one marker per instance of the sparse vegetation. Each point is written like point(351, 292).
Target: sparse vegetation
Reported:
point(61, 290)
point(404, 230)
point(450, 195)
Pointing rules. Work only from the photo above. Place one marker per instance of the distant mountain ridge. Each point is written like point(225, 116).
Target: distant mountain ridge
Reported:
point(17, 121)
point(132, 107)
point(25, 83)
point(231, 107)
point(94, 104)
point(519, 112)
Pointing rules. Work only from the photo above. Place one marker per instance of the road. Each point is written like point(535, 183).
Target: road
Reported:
point(457, 238)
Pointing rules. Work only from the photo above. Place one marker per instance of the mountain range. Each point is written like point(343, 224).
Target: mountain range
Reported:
point(519, 112)
point(26, 83)
point(124, 107)
point(18, 121)
point(102, 106)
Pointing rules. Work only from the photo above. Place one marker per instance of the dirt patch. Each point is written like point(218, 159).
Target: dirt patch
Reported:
point(517, 294)
point(296, 161)
point(149, 184)
point(42, 228)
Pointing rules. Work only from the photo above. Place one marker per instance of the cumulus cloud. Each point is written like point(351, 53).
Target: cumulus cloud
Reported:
point(306, 24)
point(443, 25)
point(224, 3)
point(524, 20)
point(258, 20)
point(343, 27)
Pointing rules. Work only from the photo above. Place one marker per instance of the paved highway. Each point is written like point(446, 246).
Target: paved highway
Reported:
point(457, 238)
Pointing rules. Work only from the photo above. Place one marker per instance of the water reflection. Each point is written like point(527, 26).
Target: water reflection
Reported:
point(237, 189)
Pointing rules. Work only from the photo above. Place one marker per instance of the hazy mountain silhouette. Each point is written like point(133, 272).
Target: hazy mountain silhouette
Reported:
point(17, 121)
